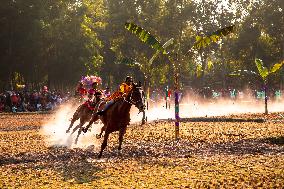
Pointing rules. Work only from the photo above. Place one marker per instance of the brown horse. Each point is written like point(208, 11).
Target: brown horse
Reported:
point(84, 113)
point(96, 117)
point(117, 117)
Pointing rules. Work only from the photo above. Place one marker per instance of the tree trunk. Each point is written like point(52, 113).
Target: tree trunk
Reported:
point(265, 98)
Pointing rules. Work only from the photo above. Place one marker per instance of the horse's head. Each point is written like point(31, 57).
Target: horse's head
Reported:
point(136, 97)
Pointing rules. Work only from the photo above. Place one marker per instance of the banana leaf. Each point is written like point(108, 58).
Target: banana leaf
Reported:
point(202, 42)
point(262, 70)
point(165, 45)
point(145, 37)
point(276, 67)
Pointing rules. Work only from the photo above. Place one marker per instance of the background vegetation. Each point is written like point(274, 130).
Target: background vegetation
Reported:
point(55, 42)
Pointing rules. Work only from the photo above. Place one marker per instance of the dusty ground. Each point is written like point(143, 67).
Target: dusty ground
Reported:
point(226, 155)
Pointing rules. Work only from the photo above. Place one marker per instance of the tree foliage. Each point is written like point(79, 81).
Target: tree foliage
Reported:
point(56, 42)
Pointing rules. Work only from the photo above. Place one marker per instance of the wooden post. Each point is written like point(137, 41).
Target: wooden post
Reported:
point(177, 118)
point(145, 100)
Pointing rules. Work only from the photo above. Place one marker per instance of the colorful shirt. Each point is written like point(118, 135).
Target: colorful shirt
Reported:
point(92, 91)
point(82, 91)
point(123, 89)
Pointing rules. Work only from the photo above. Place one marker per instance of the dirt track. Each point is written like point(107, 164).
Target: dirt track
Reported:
point(209, 154)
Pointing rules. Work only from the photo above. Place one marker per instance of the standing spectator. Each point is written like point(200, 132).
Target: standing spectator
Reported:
point(2, 102)
point(15, 100)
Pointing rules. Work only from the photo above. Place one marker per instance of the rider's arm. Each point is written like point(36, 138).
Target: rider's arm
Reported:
point(122, 88)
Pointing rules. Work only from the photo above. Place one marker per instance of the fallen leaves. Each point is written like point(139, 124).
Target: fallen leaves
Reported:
point(209, 155)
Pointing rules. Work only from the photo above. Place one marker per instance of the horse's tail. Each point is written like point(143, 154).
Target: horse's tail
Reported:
point(79, 110)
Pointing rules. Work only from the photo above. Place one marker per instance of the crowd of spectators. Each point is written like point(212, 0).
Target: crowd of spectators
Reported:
point(30, 101)
point(44, 100)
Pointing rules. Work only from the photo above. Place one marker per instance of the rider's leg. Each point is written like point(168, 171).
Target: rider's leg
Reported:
point(108, 104)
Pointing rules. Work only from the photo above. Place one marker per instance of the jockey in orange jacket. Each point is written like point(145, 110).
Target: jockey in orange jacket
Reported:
point(124, 89)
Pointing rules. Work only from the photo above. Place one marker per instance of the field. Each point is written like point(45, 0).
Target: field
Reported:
point(208, 155)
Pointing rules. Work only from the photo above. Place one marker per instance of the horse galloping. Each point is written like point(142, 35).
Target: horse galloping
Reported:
point(117, 117)
point(84, 112)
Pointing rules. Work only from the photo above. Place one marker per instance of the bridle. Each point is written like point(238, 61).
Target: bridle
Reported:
point(129, 99)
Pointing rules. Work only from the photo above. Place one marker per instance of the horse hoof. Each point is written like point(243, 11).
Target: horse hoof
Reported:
point(99, 156)
point(98, 136)
point(84, 130)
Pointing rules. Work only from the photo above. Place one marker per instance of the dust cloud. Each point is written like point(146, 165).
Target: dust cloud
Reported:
point(190, 106)
point(55, 130)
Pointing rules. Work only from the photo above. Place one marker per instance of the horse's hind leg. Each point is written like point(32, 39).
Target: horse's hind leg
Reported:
point(79, 132)
point(104, 144)
point(120, 138)
point(74, 118)
point(79, 126)
point(102, 130)
point(71, 124)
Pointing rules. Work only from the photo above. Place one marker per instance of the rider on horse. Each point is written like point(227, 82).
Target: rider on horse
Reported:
point(94, 96)
point(124, 89)
point(80, 91)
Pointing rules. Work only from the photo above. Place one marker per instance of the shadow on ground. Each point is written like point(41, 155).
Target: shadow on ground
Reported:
point(185, 149)
point(275, 140)
point(72, 164)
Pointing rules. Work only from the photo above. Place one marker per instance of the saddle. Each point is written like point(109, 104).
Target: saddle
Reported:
point(90, 105)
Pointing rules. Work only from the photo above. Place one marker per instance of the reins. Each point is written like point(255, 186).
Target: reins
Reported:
point(130, 101)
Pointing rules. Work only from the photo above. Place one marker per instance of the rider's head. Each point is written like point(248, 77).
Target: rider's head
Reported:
point(94, 85)
point(129, 80)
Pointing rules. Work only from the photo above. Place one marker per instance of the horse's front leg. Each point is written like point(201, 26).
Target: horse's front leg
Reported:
point(120, 138)
point(94, 119)
point(104, 144)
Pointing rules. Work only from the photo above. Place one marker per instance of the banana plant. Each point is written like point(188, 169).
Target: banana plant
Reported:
point(264, 73)
point(149, 39)
point(201, 42)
